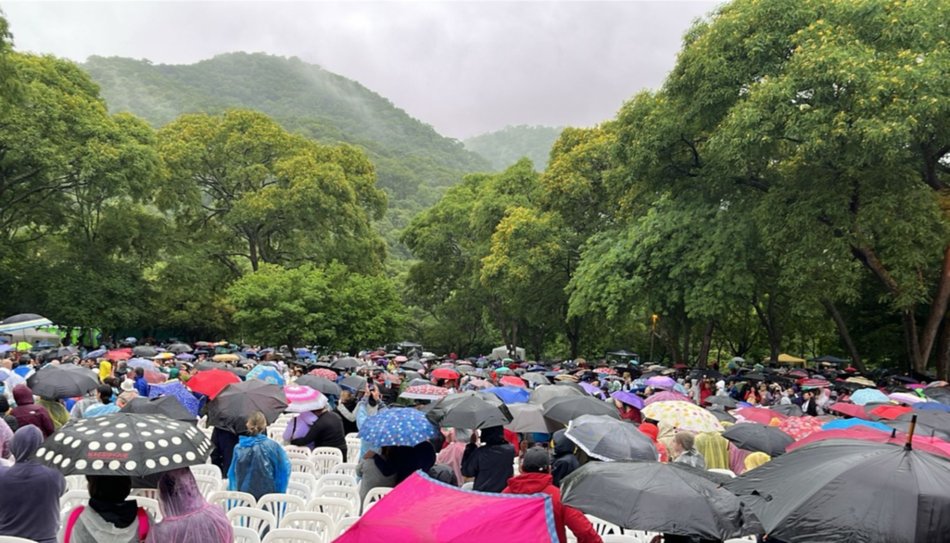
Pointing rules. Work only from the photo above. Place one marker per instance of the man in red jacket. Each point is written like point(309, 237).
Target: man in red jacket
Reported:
point(536, 477)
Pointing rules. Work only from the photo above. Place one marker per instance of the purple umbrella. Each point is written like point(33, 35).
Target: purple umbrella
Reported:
point(185, 356)
point(628, 398)
point(177, 390)
point(668, 396)
point(661, 382)
point(592, 390)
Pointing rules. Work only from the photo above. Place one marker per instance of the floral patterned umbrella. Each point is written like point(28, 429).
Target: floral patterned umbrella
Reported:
point(683, 416)
point(325, 373)
point(800, 427)
point(758, 414)
point(424, 392)
point(667, 396)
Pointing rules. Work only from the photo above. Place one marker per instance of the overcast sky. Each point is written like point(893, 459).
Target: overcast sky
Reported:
point(465, 68)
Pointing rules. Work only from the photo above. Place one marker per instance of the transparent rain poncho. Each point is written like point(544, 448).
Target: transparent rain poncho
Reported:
point(187, 516)
point(260, 466)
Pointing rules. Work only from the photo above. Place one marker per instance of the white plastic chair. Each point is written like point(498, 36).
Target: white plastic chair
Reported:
point(311, 521)
point(12, 539)
point(302, 465)
point(324, 458)
point(351, 494)
point(616, 538)
point(281, 504)
point(345, 468)
point(288, 535)
point(76, 482)
point(301, 490)
point(149, 505)
point(297, 449)
point(337, 479)
point(602, 527)
point(229, 499)
point(337, 508)
point(73, 498)
point(276, 432)
point(723, 472)
point(208, 470)
point(296, 455)
point(353, 445)
point(256, 519)
point(344, 524)
point(144, 493)
point(306, 479)
point(245, 535)
point(208, 484)
point(373, 496)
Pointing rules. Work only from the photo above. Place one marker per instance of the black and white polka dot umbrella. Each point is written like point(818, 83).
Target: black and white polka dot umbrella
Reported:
point(124, 444)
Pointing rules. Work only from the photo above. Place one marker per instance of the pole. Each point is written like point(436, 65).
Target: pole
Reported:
point(653, 319)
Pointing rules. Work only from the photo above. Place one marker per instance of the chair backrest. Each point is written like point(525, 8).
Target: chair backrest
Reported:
point(297, 455)
point(311, 521)
point(72, 498)
point(345, 468)
point(289, 535)
point(229, 499)
point(337, 508)
point(353, 445)
point(207, 484)
point(245, 535)
point(144, 493)
point(13, 539)
point(722, 471)
point(76, 482)
point(324, 458)
point(337, 479)
point(615, 538)
point(301, 490)
point(348, 493)
point(602, 527)
point(344, 524)
point(469, 485)
point(297, 449)
point(209, 470)
point(256, 519)
point(149, 505)
point(281, 504)
point(373, 496)
point(302, 465)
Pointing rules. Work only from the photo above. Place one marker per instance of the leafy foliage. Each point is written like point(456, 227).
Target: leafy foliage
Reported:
point(512, 143)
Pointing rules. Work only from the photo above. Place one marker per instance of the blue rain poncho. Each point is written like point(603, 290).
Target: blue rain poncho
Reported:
point(260, 466)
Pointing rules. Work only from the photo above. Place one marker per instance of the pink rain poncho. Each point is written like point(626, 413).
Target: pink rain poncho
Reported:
point(188, 517)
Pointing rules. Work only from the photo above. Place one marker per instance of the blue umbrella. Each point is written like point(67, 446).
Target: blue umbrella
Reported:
point(404, 427)
point(932, 406)
point(177, 390)
point(143, 363)
point(266, 373)
point(510, 394)
point(6, 347)
point(869, 395)
point(24, 371)
point(96, 354)
point(845, 424)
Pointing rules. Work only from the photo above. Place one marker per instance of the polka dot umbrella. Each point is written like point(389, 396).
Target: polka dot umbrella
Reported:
point(396, 426)
point(124, 444)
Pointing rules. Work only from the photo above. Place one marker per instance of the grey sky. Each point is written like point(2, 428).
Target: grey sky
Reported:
point(465, 68)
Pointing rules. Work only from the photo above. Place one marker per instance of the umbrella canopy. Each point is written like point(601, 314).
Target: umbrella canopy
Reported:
point(397, 427)
point(789, 410)
point(118, 354)
point(179, 348)
point(927, 422)
point(564, 410)
point(63, 381)
point(906, 397)
point(756, 437)
point(683, 416)
point(939, 394)
point(444, 373)
point(303, 398)
point(667, 396)
point(423, 510)
point(266, 373)
point(177, 390)
point(889, 412)
point(510, 395)
point(226, 357)
point(591, 389)
point(511, 380)
point(320, 384)
point(869, 395)
point(800, 427)
point(535, 379)
point(144, 363)
point(846, 424)
point(725, 401)
point(230, 409)
point(124, 444)
point(861, 381)
point(413, 365)
point(211, 382)
point(424, 392)
point(758, 414)
point(543, 394)
point(721, 414)
point(855, 491)
point(628, 398)
point(661, 381)
point(345, 363)
point(22, 322)
point(144, 351)
point(668, 498)
point(932, 406)
point(468, 410)
point(864, 433)
point(850, 410)
point(609, 439)
point(353, 382)
point(529, 418)
point(166, 406)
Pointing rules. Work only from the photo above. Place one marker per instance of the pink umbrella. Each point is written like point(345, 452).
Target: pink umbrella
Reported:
point(325, 373)
point(905, 397)
point(800, 427)
point(661, 382)
point(154, 377)
point(480, 383)
point(667, 396)
point(850, 409)
point(425, 511)
point(758, 414)
point(424, 392)
point(303, 398)
point(513, 381)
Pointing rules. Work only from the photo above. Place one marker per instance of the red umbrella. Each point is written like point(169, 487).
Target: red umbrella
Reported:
point(445, 373)
point(154, 377)
point(890, 412)
point(798, 373)
point(850, 409)
point(211, 382)
point(758, 414)
point(814, 383)
point(325, 373)
point(800, 427)
point(923, 443)
point(511, 380)
point(119, 354)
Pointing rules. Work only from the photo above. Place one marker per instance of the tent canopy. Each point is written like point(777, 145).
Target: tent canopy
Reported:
point(502, 352)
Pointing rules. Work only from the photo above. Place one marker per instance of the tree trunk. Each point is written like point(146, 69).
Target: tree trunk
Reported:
point(938, 309)
point(252, 252)
point(706, 343)
point(843, 332)
point(574, 335)
point(943, 351)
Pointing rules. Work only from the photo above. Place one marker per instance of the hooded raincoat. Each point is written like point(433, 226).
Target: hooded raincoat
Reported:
point(27, 412)
point(188, 517)
point(29, 492)
point(260, 466)
point(533, 483)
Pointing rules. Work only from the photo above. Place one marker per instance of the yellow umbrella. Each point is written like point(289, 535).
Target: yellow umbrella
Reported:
point(683, 416)
point(163, 356)
point(225, 358)
point(23, 346)
point(861, 381)
point(789, 359)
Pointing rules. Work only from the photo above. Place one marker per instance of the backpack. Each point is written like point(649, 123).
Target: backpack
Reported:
point(141, 515)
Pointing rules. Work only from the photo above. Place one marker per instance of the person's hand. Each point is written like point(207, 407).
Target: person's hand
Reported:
point(474, 439)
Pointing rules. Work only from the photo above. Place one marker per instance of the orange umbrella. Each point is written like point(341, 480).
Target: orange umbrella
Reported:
point(890, 412)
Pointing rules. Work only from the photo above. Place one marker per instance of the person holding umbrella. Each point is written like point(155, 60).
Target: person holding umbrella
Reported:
point(565, 461)
point(490, 464)
point(326, 431)
point(110, 517)
point(535, 477)
point(29, 491)
point(260, 465)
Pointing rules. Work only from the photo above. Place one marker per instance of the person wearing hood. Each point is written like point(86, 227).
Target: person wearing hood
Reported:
point(6, 436)
point(375, 470)
point(187, 515)
point(652, 431)
point(29, 491)
point(57, 411)
point(28, 413)
point(565, 461)
point(260, 465)
point(451, 455)
point(6, 416)
point(535, 477)
point(491, 464)
point(110, 516)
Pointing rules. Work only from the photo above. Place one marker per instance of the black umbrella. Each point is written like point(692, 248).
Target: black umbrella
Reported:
point(564, 410)
point(413, 365)
point(936, 423)
point(535, 378)
point(230, 409)
point(22, 322)
point(468, 410)
point(721, 414)
point(209, 365)
point(63, 381)
point(940, 394)
point(144, 351)
point(322, 384)
point(668, 498)
point(854, 491)
point(789, 410)
point(124, 444)
point(178, 348)
point(544, 393)
point(724, 401)
point(345, 363)
point(707, 373)
point(168, 406)
point(756, 437)
point(240, 372)
point(353, 382)
point(608, 439)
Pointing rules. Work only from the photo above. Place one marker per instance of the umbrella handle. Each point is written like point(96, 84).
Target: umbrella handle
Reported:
point(910, 432)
